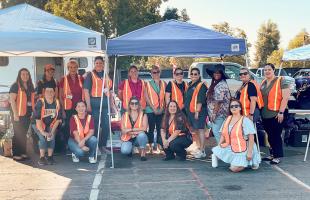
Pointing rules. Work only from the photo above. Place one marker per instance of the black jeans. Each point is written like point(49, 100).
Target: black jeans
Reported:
point(19, 142)
point(274, 131)
point(154, 120)
point(178, 146)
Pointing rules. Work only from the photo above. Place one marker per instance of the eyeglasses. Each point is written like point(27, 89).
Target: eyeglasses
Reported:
point(234, 106)
point(194, 74)
point(50, 70)
point(134, 103)
point(179, 74)
point(155, 72)
point(244, 73)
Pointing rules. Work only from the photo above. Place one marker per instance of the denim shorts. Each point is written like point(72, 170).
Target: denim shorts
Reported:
point(199, 123)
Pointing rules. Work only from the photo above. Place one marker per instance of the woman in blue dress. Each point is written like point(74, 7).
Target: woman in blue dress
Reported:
point(236, 145)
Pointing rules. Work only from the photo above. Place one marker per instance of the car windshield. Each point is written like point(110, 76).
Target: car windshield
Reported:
point(282, 72)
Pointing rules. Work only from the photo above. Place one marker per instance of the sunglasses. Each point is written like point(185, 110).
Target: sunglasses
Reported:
point(179, 74)
point(194, 74)
point(234, 106)
point(155, 72)
point(245, 73)
point(134, 103)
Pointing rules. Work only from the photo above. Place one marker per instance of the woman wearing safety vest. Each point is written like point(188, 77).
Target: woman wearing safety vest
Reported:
point(22, 105)
point(237, 146)
point(70, 92)
point(174, 133)
point(196, 111)
point(94, 90)
point(48, 80)
point(176, 89)
point(134, 126)
point(275, 93)
point(155, 99)
point(48, 117)
point(250, 96)
point(132, 87)
point(82, 140)
point(218, 98)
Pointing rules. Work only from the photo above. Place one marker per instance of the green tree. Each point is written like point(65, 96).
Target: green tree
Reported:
point(37, 3)
point(173, 13)
point(268, 39)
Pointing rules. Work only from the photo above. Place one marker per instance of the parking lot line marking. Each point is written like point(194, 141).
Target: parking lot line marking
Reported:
point(150, 182)
point(201, 185)
point(97, 180)
point(293, 178)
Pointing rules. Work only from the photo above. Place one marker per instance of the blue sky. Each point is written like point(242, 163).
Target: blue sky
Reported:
point(290, 15)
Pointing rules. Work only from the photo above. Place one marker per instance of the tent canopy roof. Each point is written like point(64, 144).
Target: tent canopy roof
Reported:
point(29, 31)
point(301, 53)
point(175, 38)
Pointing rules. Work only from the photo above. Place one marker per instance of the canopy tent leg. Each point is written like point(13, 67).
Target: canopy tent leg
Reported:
point(246, 55)
point(114, 74)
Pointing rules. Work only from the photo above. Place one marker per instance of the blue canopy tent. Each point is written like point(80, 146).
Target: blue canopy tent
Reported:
point(301, 54)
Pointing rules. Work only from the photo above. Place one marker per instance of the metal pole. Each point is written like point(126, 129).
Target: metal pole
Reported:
point(246, 55)
point(114, 74)
point(305, 158)
point(258, 148)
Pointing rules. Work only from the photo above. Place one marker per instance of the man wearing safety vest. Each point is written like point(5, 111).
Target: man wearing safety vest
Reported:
point(132, 87)
point(95, 87)
point(70, 92)
point(22, 105)
point(249, 95)
point(155, 99)
point(275, 92)
point(48, 117)
point(82, 140)
point(176, 89)
point(196, 110)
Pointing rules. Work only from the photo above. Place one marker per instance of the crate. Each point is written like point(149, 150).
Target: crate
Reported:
point(299, 138)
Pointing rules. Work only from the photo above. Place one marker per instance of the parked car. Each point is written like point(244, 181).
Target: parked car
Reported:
point(5, 119)
point(302, 77)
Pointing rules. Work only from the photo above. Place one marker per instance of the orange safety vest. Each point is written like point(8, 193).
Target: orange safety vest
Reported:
point(235, 138)
point(21, 101)
point(43, 112)
point(275, 95)
point(245, 102)
point(127, 94)
point(193, 103)
point(157, 99)
point(127, 124)
point(67, 93)
point(82, 130)
point(176, 94)
point(96, 90)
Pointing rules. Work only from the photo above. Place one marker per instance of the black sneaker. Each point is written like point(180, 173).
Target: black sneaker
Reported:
point(42, 161)
point(50, 160)
point(275, 161)
point(143, 158)
point(168, 158)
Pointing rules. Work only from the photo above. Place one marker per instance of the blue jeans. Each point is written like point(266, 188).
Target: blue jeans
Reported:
point(91, 143)
point(140, 141)
point(43, 143)
point(216, 127)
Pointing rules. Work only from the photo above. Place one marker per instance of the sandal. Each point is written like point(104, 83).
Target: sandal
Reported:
point(275, 161)
point(268, 158)
point(17, 158)
point(24, 156)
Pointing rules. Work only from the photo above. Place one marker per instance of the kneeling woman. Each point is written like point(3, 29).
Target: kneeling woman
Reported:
point(82, 140)
point(174, 133)
point(236, 145)
point(47, 120)
point(134, 126)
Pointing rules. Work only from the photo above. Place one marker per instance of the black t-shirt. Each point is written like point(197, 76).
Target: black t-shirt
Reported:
point(251, 91)
point(180, 86)
point(14, 89)
point(43, 84)
point(50, 112)
point(201, 94)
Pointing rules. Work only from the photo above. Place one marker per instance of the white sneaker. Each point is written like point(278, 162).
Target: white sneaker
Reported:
point(75, 159)
point(92, 160)
point(214, 161)
point(200, 154)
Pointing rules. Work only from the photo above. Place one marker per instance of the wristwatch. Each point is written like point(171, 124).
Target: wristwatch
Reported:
point(251, 114)
point(281, 113)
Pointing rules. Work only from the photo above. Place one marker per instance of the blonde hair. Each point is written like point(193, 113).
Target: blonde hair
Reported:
point(139, 105)
point(74, 62)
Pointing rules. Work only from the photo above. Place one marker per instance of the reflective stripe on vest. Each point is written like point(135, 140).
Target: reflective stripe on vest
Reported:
point(275, 95)
point(96, 90)
point(193, 103)
point(43, 112)
point(245, 102)
point(21, 101)
point(157, 100)
point(171, 128)
point(234, 138)
point(67, 93)
point(127, 124)
point(127, 94)
point(83, 131)
point(176, 94)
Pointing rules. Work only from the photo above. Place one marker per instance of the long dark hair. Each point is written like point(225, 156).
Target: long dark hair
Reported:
point(214, 83)
point(239, 102)
point(196, 69)
point(179, 117)
point(19, 80)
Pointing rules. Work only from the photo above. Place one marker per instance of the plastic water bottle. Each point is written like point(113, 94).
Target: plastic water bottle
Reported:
point(214, 161)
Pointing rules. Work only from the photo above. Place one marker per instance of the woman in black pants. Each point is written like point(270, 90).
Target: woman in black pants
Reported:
point(174, 133)
point(22, 105)
point(275, 95)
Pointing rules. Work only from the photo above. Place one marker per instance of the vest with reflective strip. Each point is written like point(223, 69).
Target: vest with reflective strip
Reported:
point(128, 125)
point(96, 90)
point(275, 95)
point(157, 99)
point(21, 101)
point(176, 94)
point(193, 103)
point(245, 102)
point(127, 94)
point(82, 130)
point(234, 138)
point(67, 93)
point(43, 112)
